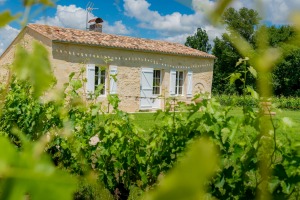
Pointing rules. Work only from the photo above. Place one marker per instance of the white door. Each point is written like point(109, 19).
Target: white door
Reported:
point(148, 100)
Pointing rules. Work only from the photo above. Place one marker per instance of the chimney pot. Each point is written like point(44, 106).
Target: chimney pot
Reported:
point(95, 25)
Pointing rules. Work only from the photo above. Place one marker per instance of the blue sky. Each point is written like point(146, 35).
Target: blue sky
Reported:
point(171, 20)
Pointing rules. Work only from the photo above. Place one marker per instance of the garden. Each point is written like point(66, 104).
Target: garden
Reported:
point(224, 146)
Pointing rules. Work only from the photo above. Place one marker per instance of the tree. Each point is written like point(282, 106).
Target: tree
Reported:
point(199, 41)
point(242, 22)
point(286, 73)
point(278, 35)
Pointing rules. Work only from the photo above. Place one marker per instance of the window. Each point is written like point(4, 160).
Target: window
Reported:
point(97, 76)
point(156, 81)
point(179, 83)
point(100, 79)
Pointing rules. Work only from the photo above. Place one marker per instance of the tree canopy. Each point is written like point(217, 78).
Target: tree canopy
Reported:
point(242, 22)
point(246, 23)
point(199, 41)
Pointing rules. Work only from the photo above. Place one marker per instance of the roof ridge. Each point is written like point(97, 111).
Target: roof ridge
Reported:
point(157, 40)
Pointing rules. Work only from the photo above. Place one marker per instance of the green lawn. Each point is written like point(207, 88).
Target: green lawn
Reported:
point(146, 121)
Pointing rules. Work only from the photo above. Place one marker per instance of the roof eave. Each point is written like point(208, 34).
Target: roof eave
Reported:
point(131, 49)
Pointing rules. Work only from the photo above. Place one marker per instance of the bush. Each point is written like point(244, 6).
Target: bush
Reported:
point(282, 102)
point(89, 191)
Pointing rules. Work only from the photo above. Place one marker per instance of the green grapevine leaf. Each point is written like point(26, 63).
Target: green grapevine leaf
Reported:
point(253, 93)
point(234, 77)
point(252, 71)
point(186, 181)
point(34, 67)
point(33, 2)
point(27, 173)
point(6, 17)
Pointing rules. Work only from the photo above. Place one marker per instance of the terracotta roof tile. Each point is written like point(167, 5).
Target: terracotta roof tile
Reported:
point(108, 40)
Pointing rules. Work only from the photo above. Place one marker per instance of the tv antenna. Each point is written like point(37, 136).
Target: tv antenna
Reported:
point(89, 9)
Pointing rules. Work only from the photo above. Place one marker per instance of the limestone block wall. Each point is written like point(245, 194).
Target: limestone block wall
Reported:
point(128, 88)
point(203, 77)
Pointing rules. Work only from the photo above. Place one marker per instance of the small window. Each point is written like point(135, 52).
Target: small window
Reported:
point(156, 81)
point(100, 79)
point(179, 83)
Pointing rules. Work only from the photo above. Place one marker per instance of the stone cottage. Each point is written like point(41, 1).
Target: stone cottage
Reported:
point(147, 71)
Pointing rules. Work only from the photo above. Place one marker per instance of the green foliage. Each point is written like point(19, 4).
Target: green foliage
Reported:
point(292, 103)
point(34, 67)
point(282, 102)
point(242, 22)
point(237, 101)
point(30, 172)
point(281, 35)
point(188, 179)
point(199, 41)
point(258, 159)
point(113, 147)
point(227, 56)
point(34, 2)
point(22, 110)
point(91, 191)
point(27, 172)
point(286, 75)
point(5, 18)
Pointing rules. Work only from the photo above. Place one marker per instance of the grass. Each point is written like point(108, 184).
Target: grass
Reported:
point(144, 120)
point(147, 121)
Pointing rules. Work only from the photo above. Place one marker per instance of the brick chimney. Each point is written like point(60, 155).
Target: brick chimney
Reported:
point(95, 25)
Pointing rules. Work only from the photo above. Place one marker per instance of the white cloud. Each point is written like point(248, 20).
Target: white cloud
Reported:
point(167, 25)
point(117, 28)
point(177, 38)
point(7, 35)
point(67, 16)
point(274, 11)
point(75, 17)
point(174, 27)
point(278, 11)
point(211, 31)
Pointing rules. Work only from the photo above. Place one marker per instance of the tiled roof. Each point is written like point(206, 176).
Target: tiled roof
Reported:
point(60, 34)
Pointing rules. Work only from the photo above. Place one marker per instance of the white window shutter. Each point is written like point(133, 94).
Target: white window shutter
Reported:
point(113, 82)
point(189, 90)
point(172, 81)
point(90, 77)
point(146, 88)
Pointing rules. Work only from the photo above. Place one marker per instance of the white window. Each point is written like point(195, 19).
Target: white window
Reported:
point(176, 82)
point(179, 83)
point(177, 79)
point(96, 77)
point(156, 82)
point(100, 79)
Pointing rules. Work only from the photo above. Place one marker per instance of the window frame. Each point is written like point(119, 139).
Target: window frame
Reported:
point(155, 78)
point(100, 78)
point(177, 83)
